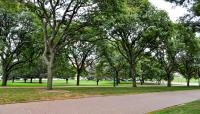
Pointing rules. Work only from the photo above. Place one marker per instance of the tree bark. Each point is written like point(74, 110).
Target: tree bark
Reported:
point(4, 78)
point(142, 80)
point(97, 82)
point(169, 80)
point(25, 80)
point(188, 82)
point(132, 72)
point(66, 80)
point(49, 58)
point(40, 80)
point(117, 78)
point(78, 77)
point(114, 81)
point(31, 80)
point(49, 76)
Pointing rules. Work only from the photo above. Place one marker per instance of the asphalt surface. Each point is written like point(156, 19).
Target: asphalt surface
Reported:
point(123, 104)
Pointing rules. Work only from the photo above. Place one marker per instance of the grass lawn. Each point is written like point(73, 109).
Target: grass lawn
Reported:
point(20, 83)
point(189, 108)
point(85, 82)
point(13, 95)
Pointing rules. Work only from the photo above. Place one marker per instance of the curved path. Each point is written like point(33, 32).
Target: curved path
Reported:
point(123, 104)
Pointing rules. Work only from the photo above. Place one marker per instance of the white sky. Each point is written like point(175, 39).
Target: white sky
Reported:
point(174, 11)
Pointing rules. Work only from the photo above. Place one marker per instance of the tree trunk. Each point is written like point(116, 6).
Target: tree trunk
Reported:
point(188, 82)
point(159, 82)
point(169, 80)
point(13, 79)
point(199, 81)
point(97, 82)
point(66, 80)
point(40, 80)
point(132, 72)
point(78, 77)
point(142, 80)
point(114, 81)
point(25, 80)
point(31, 81)
point(49, 61)
point(4, 78)
point(117, 77)
point(49, 76)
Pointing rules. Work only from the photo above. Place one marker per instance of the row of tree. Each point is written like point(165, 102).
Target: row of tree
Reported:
point(97, 39)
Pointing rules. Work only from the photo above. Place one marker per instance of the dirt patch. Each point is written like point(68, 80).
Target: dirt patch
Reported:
point(58, 91)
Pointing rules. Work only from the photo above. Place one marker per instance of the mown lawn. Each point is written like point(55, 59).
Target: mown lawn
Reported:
point(189, 108)
point(63, 83)
point(103, 83)
point(13, 95)
point(85, 82)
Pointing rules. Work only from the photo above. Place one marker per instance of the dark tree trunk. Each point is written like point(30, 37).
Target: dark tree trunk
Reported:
point(188, 82)
point(114, 81)
point(142, 80)
point(31, 80)
point(40, 80)
point(4, 79)
point(169, 80)
point(13, 79)
point(25, 80)
point(119, 81)
point(97, 82)
point(66, 80)
point(117, 77)
point(78, 77)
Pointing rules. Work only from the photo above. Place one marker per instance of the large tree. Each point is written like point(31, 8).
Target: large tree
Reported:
point(16, 38)
point(60, 19)
point(137, 30)
point(187, 55)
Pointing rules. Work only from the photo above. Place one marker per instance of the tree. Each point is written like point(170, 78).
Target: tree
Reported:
point(81, 55)
point(63, 69)
point(135, 31)
point(16, 31)
point(186, 57)
point(150, 69)
point(110, 55)
point(57, 24)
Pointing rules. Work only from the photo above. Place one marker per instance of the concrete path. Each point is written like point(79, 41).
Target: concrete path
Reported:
point(123, 104)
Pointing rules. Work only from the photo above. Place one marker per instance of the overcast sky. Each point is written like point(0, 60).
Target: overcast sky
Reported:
point(174, 11)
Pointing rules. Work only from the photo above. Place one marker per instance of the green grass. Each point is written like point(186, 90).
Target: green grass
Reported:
point(63, 83)
point(189, 108)
point(12, 95)
point(84, 82)
point(125, 90)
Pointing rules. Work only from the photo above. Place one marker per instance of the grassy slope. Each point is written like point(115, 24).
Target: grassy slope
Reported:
point(26, 95)
point(189, 108)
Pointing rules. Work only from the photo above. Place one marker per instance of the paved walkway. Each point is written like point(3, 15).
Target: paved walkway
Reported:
point(123, 104)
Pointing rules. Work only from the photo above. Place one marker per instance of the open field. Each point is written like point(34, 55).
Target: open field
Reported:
point(188, 108)
point(70, 83)
point(87, 82)
point(17, 95)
